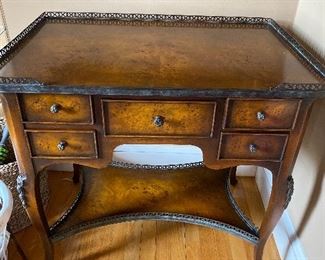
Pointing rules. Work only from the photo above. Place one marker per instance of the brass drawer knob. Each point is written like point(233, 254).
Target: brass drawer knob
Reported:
point(158, 121)
point(62, 145)
point(260, 116)
point(252, 148)
point(55, 108)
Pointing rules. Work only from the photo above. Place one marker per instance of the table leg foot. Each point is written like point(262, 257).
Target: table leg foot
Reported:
point(282, 190)
point(258, 252)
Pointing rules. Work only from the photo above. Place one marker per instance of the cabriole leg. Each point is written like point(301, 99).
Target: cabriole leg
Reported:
point(282, 190)
point(30, 197)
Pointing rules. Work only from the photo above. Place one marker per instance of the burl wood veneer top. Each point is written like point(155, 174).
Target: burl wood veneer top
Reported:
point(150, 55)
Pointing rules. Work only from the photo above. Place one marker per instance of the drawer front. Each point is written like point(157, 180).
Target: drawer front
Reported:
point(43, 108)
point(261, 114)
point(62, 144)
point(252, 146)
point(150, 118)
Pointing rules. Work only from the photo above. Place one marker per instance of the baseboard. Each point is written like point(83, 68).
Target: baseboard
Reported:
point(285, 230)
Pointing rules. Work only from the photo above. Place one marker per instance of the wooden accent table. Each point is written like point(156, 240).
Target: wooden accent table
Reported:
point(77, 85)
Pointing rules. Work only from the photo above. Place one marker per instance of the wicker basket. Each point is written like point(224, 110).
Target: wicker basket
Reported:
point(8, 174)
point(19, 218)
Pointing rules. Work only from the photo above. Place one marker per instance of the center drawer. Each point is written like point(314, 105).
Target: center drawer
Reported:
point(156, 118)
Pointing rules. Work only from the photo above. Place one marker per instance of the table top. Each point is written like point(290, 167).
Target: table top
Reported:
point(159, 52)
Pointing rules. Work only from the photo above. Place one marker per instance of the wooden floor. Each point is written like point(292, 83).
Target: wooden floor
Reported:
point(148, 240)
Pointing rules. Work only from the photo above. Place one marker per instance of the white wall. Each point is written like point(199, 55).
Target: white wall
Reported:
point(307, 209)
point(309, 24)
point(19, 13)
point(3, 31)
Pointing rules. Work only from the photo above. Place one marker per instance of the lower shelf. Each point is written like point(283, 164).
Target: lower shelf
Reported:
point(195, 195)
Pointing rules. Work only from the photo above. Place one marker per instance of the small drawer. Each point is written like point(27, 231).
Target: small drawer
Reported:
point(62, 144)
point(156, 118)
point(252, 146)
point(261, 114)
point(44, 108)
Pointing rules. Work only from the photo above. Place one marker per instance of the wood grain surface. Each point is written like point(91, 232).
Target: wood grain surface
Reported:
point(237, 146)
point(71, 108)
point(178, 118)
point(278, 114)
point(153, 55)
point(81, 144)
point(113, 191)
point(147, 240)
